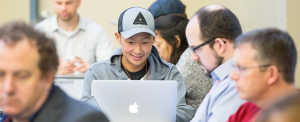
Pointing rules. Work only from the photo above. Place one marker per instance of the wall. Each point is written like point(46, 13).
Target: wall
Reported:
point(253, 14)
point(293, 27)
point(8, 11)
point(104, 12)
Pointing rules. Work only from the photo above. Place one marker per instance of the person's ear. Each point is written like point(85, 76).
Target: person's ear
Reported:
point(53, 3)
point(178, 41)
point(48, 78)
point(79, 3)
point(220, 46)
point(273, 74)
point(154, 38)
point(118, 37)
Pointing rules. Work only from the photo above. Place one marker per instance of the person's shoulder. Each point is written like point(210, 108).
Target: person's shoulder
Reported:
point(68, 109)
point(247, 107)
point(173, 69)
point(46, 23)
point(82, 112)
point(92, 25)
point(244, 113)
point(185, 62)
point(101, 63)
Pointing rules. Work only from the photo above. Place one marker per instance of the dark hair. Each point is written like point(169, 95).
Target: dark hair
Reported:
point(168, 27)
point(273, 46)
point(165, 7)
point(220, 23)
point(14, 32)
point(288, 108)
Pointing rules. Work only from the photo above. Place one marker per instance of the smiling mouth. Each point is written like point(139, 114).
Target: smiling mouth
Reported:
point(137, 57)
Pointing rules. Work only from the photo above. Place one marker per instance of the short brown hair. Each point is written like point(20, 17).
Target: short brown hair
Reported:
point(14, 32)
point(273, 46)
point(220, 23)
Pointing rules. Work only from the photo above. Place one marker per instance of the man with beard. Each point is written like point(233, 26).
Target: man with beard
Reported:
point(80, 41)
point(211, 33)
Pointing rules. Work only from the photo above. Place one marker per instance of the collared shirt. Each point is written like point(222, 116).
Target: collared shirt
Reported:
point(248, 112)
point(222, 100)
point(88, 41)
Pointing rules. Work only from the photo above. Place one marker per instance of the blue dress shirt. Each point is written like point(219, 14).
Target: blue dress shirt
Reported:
point(222, 100)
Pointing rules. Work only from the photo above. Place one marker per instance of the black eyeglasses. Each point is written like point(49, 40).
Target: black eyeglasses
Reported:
point(206, 42)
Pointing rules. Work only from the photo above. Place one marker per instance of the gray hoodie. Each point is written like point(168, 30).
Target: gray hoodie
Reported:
point(110, 69)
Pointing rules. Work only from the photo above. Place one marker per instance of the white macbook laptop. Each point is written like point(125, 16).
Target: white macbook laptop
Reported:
point(135, 100)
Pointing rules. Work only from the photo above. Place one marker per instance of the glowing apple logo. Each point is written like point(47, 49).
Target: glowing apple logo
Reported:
point(133, 108)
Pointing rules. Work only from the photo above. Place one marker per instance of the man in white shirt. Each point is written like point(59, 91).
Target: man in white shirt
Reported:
point(79, 41)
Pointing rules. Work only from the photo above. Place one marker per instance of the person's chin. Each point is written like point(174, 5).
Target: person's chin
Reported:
point(11, 110)
point(64, 18)
point(206, 72)
point(242, 96)
point(208, 75)
point(137, 60)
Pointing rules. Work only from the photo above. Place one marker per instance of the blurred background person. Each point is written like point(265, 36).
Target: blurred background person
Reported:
point(285, 110)
point(265, 62)
point(165, 7)
point(28, 62)
point(79, 41)
point(172, 46)
point(171, 41)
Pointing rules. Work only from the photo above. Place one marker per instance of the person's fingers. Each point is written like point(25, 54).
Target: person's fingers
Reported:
point(79, 67)
point(67, 69)
point(83, 69)
point(64, 71)
point(77, 59)
point(70, 64)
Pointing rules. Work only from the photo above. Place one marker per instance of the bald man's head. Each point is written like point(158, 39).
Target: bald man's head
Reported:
point(213, 7)
point(216, 21)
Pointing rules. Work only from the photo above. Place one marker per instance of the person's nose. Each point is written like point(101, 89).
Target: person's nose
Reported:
point(8, 85)
point(194, 57)
point(138, 49)
point(63, 7)
point(234, 75)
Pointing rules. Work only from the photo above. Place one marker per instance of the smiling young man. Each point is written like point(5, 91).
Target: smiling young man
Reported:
point(138, 59)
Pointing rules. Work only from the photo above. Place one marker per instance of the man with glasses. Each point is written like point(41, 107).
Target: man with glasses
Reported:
point(211, 33)
point(265, 62)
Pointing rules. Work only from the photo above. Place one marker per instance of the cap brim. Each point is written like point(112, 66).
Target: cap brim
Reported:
point(128, 33)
